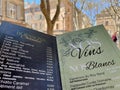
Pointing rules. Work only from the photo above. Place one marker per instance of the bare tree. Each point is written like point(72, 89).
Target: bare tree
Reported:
point(77, 13)
point(45, 8)
point(115, 5)
point(85, 7)
point(113, 10)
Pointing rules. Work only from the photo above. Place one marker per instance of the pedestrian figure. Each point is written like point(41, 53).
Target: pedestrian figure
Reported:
point(114, 37)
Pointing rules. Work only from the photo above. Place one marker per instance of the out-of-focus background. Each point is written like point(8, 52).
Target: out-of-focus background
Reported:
point(56, 17)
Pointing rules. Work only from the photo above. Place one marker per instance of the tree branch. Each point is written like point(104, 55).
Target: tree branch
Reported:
point(48, 7)
point(82, 5)
point(57, 12)
point(44, 10)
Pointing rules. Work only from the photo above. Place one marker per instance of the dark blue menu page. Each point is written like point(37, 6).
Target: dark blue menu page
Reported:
point(28, 59)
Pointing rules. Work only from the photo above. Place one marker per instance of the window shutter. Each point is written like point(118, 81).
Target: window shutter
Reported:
point(11, 10)
point(19, 17)
point(0, 7)
point(8, 7)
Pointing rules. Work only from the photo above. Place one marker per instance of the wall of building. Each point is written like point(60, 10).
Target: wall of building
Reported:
point(34, 17)
point(112, 24)
point(13, 11)
point(64, 22)
point(108, 22)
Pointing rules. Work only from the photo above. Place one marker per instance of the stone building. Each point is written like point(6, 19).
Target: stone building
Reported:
point(12, 11)
point(110, 21)
point(85, 21)
point(34, 17)
point(64, 22)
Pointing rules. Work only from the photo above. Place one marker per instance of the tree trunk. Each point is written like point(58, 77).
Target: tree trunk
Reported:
point(45, 8)
point(50, 27)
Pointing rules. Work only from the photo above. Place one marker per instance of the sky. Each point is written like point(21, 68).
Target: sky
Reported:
point(98, 6)
point(30, 1)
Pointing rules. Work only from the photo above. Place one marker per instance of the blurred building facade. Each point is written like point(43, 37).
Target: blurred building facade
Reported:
point(85, 21)
point(64, 23)
point(34, 17)
point(110, 21)
point(12, 11)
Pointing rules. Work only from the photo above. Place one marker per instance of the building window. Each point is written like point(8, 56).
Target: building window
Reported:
point(19, 13)
point(118, 18)
point(106, 23)
point(40, 25)
point(37, 17)
point(57, 26)
point(34, 26)
point(11, 10)
point(37, 9)
point(28, 18)
point(68, 10)
point(0, 7)
point(41, 16)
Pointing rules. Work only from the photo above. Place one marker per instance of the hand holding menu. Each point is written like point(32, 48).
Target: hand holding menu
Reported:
point(80, 60)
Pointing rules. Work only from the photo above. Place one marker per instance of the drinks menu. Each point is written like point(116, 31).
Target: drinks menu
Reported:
point(28, 59)
point(89, 60)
